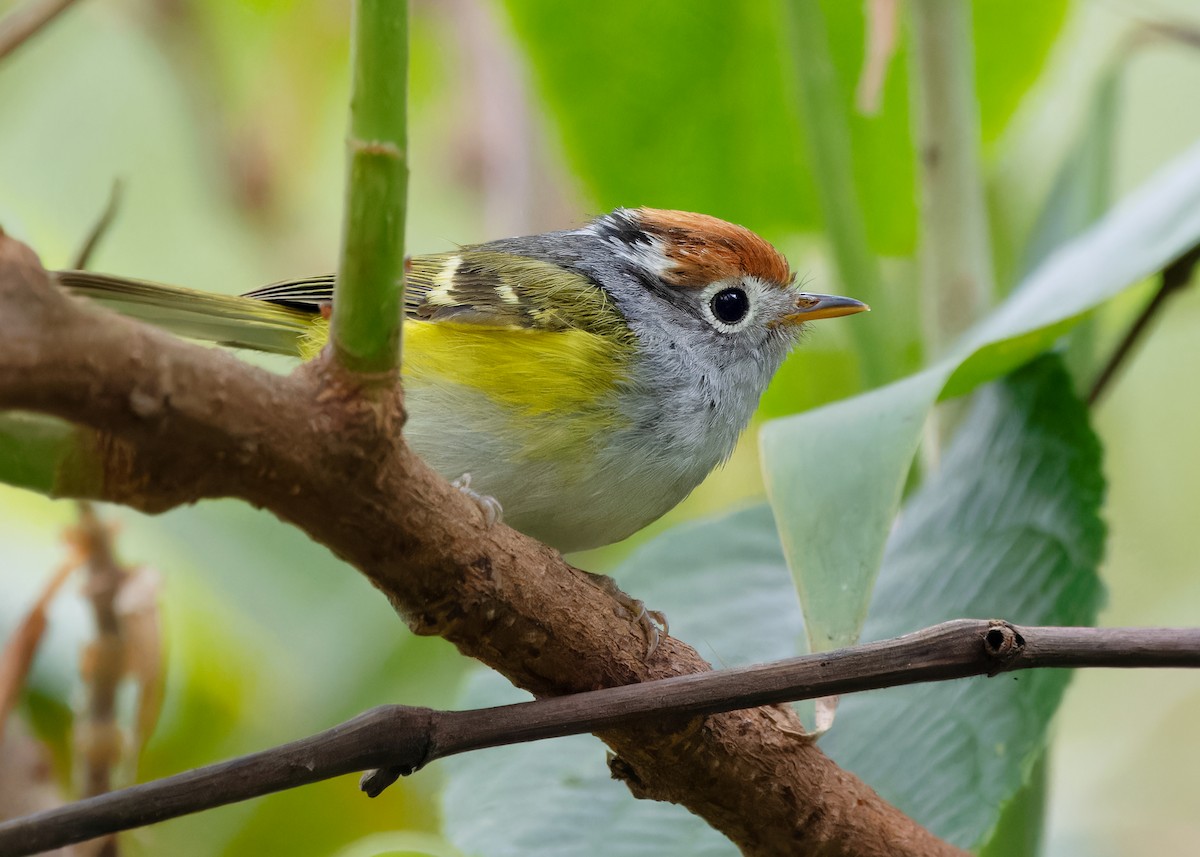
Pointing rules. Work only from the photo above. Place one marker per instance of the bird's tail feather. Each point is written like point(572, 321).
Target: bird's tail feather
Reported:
point(238, 322)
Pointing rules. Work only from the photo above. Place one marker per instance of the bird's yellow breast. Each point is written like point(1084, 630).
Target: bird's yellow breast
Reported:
point(531, 371)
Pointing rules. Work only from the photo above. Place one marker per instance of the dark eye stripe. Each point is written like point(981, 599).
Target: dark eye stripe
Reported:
point(730, 305)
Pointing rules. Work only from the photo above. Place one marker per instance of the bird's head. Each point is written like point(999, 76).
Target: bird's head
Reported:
point(721, 286)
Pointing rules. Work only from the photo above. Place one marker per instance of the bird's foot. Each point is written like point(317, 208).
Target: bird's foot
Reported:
point(488, 505)
point(652, 623)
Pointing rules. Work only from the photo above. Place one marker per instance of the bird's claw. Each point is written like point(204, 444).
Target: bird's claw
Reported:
point(489, 506)
point(652, 623)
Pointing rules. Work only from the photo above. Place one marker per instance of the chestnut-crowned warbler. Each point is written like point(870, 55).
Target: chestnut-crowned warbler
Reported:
point(588, 380)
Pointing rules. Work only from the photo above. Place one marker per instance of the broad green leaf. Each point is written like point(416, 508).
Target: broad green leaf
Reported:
point(1010, 51)
point(824, 473)
point(1008, 528)
point(1021, 826)
point(835, 475)
point(695, 101)
point(558, 799)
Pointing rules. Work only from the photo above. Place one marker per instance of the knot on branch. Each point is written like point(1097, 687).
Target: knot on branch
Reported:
point(1003, 644)
point(624, 772)
point(368, 408)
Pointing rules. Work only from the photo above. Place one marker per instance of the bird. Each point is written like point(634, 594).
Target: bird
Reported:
point(584, 381)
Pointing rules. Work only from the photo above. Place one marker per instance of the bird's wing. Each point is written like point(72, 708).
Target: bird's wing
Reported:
point(477, 286)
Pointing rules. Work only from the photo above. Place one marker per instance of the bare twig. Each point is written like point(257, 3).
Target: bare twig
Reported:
point(101, 226)
point(1174, 277)
point(409, 738)
point(25, 23)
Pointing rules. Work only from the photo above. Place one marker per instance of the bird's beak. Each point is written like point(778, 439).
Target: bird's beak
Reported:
point(812, 307)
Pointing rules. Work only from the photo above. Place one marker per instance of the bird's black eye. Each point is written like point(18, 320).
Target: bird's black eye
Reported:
point(730, 305)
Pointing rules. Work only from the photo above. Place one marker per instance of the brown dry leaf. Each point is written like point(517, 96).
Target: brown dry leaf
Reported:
point(18, 653)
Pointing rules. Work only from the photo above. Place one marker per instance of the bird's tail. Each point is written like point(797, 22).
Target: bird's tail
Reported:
point(239, 322)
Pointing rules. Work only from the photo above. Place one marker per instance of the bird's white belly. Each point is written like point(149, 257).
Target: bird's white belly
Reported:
point(572, 495)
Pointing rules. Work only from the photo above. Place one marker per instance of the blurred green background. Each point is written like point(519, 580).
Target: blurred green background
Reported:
point(225, 121)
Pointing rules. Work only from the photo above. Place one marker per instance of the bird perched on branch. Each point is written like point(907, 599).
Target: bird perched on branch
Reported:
point(588, 379)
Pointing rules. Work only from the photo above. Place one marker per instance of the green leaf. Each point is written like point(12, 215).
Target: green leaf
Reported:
point(697, 102)
point(694, 103)
point(1009, 54)
point(835, 475)
point(1009, 528)
point(557, 799)
point(1022, 823)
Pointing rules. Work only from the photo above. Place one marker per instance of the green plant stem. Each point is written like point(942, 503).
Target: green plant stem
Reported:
point(367, 319)
point(47, 455)
point(827, 130)
point(957, 275)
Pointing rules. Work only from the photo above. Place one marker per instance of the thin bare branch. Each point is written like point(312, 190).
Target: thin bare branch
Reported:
point(409, 738)
point(1174, 277)
point(101, 226)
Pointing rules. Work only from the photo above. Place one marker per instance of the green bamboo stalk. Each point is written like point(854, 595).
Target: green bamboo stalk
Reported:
point(827, 129)
point(367, 322)
point(957, 273)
